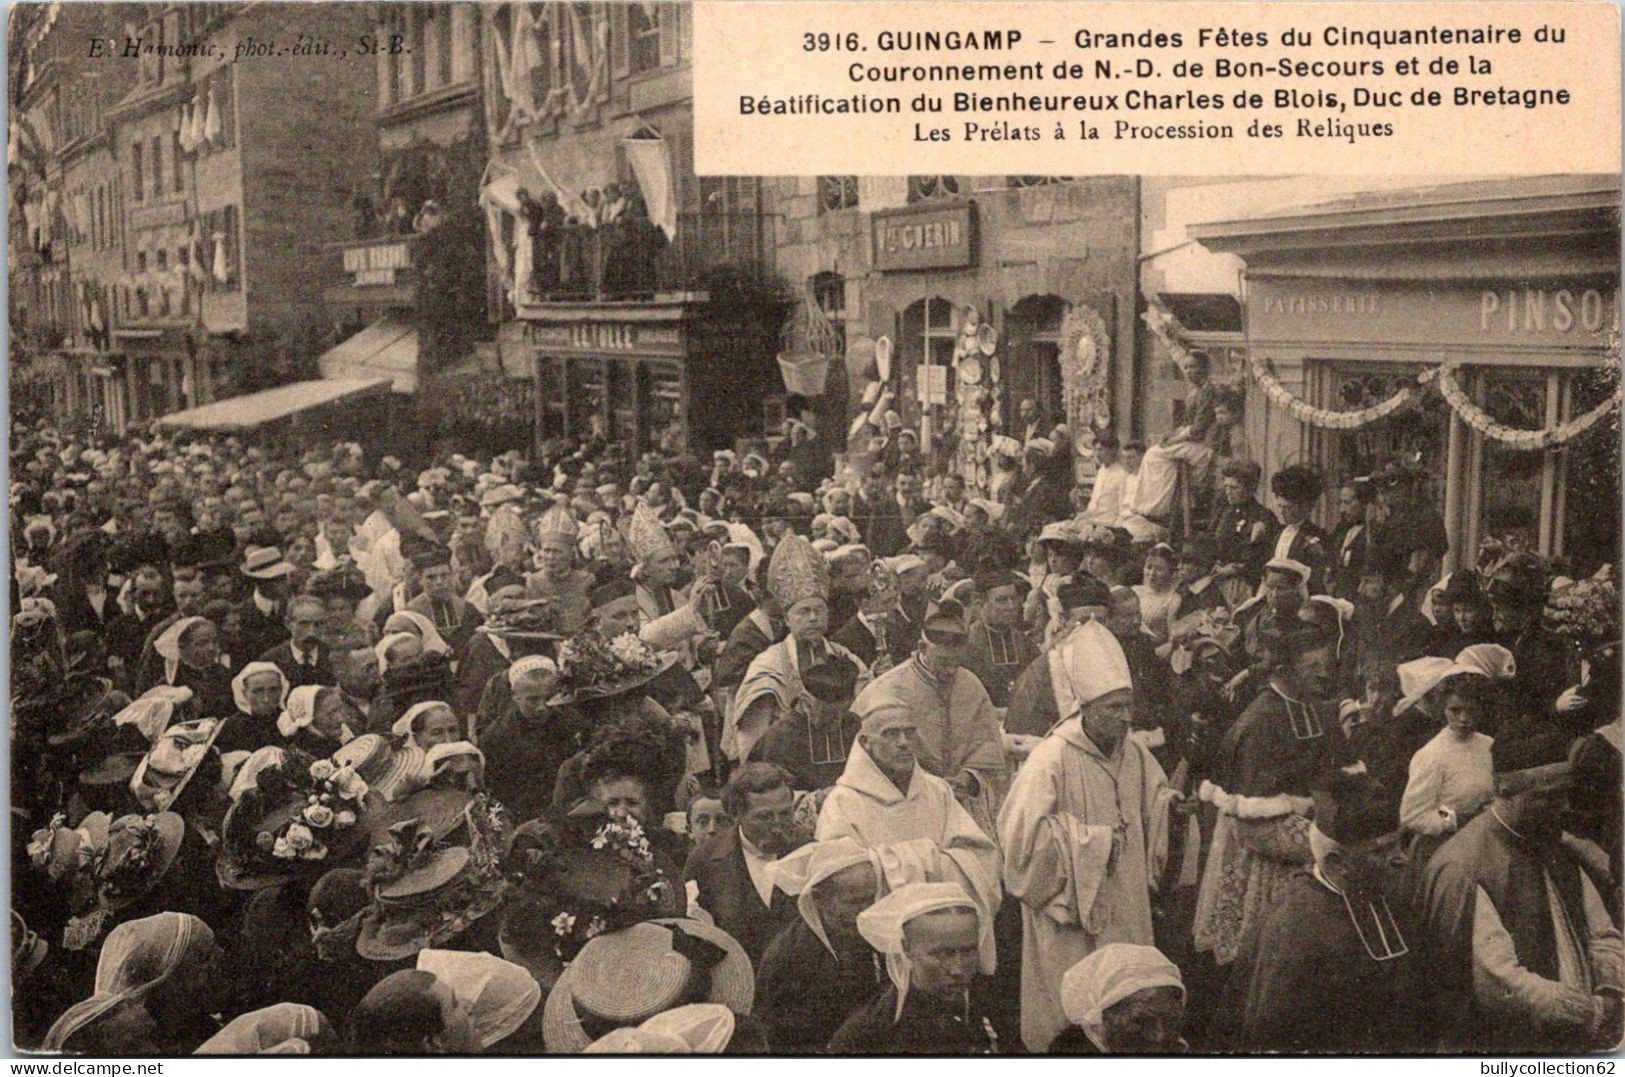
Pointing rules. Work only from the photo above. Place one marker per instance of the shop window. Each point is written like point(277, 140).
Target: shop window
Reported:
point(661, 395)
point(1514, 498)
point(1033, 368)
point(552, 385)
point(837, 192)
point(1035, 181)
point(922, 188)
point(1420, 431)
point(1588, 479)
point(927, 336)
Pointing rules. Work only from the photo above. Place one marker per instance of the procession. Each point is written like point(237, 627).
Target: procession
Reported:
point(582, 607)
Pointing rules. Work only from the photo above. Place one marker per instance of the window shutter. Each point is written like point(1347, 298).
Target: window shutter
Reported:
point(684, 17)
point(668, 16)
point(620, 38)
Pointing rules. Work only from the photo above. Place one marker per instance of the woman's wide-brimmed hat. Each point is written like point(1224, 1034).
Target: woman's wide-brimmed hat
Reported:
point(248, 855)
point(625, 977)
point(384, 765)
point(425, 894)
point(83, 705)
point(165, 772)
point(441, 811)
point(593, 667)
point(140, 849)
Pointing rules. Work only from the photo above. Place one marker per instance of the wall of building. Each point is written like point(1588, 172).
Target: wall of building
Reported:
point(1075, 240)
point(306, 134)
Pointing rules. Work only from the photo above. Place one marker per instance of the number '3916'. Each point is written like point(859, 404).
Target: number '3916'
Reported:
point(813, 42)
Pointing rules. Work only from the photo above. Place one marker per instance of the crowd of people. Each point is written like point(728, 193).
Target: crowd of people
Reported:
point(777, 753)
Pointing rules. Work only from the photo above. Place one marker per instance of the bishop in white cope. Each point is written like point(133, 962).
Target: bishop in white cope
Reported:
point(1084, 830)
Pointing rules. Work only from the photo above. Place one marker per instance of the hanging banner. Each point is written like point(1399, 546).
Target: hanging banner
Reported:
point(650, 157)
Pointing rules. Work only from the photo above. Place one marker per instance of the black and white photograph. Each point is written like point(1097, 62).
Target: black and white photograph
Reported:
point(479, 587)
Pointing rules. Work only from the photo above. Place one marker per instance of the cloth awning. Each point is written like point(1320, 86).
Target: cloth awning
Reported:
point(257, 409)
point(385, 349)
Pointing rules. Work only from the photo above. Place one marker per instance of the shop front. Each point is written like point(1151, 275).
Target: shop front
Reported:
point(1472, 328)
point(979, 308)
point(648, 375)
point(165, 370)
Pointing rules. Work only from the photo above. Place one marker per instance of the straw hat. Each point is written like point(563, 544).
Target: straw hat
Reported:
point(626, 977)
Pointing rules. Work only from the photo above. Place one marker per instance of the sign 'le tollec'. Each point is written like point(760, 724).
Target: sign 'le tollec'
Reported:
point(607, 336)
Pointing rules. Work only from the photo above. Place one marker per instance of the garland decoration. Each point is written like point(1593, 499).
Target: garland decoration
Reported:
point(1325, 418)
point(1513, 437)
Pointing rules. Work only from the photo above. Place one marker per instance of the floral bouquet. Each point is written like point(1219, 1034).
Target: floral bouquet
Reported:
point(332, 804)
point(295, 814)
point(593, 666)
point(1585, 612)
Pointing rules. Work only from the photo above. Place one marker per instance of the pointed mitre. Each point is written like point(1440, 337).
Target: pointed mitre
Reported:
point(797, 572)
point(558, 525)
point(648, 535)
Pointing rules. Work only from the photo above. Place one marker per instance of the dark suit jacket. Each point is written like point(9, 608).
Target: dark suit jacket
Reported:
point(857, 637)
point(885, 531)
point(727, 893)
point(260, 633)
point(455, 620)
point(281, 656)
point(74, 611)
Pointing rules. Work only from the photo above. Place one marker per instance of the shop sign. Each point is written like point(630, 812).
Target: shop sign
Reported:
point(607, 337)
point(931, 384)
point(928, 236)
point(376, 264)
point(158, 215)
point(1559, 314)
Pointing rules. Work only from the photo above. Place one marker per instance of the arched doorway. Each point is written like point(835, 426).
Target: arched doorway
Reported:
point(1033, 329)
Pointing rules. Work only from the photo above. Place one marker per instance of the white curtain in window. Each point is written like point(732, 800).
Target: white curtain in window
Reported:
point(882, 192)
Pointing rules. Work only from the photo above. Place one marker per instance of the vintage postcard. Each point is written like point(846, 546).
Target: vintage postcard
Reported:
point(815, 529)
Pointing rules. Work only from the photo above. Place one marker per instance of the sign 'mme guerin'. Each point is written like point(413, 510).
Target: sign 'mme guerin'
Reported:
point(925, 237)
